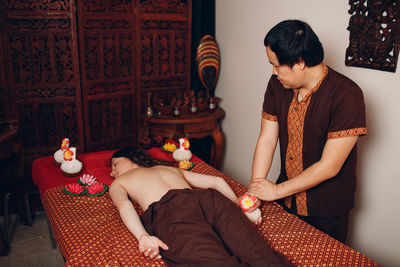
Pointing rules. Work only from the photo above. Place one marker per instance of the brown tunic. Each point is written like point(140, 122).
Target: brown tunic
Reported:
point(334, 109)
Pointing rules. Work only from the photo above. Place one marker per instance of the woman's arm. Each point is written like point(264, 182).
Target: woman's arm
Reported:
point(210, 181)
point(149, 245)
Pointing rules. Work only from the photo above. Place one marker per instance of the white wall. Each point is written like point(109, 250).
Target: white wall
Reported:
point(240, 29)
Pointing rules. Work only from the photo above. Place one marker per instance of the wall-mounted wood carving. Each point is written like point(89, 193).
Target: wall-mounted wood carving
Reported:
point(374, 34)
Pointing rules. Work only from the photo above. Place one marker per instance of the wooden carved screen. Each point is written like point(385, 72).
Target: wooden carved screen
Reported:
point(107, 48)
point(5, 108)
point(79, 69)
point(41, 67)
point(164, 32)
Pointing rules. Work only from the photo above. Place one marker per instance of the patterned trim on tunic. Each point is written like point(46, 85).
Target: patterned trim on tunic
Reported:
point(349, 132)
point(269, 116)
point(294, 151)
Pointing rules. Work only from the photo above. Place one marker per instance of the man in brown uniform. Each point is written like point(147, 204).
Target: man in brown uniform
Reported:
point(317, 115)
point(191, 227)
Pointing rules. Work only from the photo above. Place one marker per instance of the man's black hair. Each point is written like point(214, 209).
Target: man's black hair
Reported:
point(293, 41)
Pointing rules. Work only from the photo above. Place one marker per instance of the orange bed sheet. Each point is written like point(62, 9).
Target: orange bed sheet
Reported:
point(89, 231)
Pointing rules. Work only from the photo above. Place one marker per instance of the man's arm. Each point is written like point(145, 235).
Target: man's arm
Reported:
point(265, 149)
point(209, 181)
point(149, 245)
point(333, 157)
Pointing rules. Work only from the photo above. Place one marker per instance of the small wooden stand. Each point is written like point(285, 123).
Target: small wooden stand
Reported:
point(198, 125)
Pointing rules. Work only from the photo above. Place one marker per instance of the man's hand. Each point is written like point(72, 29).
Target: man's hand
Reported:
point(149, 246)
point(263, 189)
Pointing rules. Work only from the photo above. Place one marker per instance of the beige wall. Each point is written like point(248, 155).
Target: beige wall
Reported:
point(240, 29)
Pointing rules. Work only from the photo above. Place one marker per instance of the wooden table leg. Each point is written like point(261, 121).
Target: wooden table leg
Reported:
point(217, 148)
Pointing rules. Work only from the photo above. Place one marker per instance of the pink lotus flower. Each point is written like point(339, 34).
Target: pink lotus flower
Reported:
point(74, 188)
point(96, 188)
point(87, 179)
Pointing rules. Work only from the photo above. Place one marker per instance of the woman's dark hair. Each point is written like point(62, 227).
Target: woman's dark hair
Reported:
point(139, 156)
point(293, 41)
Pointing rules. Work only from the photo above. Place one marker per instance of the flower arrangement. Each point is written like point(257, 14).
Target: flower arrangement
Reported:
point(186, 165)
point(86, 184)
point(169, 147)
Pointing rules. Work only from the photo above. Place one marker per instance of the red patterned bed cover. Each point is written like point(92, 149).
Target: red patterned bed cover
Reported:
point(89, 231)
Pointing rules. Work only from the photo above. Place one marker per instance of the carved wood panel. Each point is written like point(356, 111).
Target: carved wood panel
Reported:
point(39, 39)
point(4, 94)
point(79, 69)
point(374, 34)
point(164, 35)
point(108, 54)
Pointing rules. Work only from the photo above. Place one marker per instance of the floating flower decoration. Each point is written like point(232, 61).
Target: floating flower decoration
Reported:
point(97, 189)
point(186, 165)
point(68, 154)
point(247, 201)
point(87, 179)
point(169, 147)
point(74, 189)
point(185, 143)
point(64, 143)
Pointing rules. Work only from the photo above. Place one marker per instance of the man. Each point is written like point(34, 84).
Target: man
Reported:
point(317, 115)
point(187, 227)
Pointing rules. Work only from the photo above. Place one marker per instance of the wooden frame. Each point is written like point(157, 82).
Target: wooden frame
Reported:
point(374, 34)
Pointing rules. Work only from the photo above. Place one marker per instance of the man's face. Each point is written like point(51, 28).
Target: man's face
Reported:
point(120, 166)
point(289, 77)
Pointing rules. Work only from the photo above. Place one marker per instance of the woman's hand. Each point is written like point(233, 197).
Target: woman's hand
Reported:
point(254, 216)
point(250, 204)
point(149, 246)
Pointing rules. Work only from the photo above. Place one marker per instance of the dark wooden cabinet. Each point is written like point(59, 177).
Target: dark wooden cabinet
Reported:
point(80, 69)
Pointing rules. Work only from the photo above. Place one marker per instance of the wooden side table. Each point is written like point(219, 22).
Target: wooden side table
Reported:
point(199, 125)
point(11, 170)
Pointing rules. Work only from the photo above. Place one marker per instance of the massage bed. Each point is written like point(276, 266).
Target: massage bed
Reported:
point(89, 232)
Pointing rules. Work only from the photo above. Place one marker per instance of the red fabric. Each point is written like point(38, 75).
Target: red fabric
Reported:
point(46, 174)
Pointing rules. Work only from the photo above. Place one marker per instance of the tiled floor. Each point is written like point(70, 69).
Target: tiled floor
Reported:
point(31, 246)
